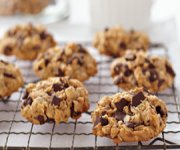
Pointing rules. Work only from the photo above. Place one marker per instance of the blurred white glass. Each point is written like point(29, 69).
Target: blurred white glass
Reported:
point(127, 13)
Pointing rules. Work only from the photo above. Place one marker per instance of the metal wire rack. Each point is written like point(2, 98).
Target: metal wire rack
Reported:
point(16, 133)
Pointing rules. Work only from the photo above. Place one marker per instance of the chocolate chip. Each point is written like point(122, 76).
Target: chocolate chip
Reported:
point(7, 50)
point(160, 111)
point(160, 82)
point(153, 76)
point(39, 68)
point(150, 65)
point(104, 121)
point(73, 113)
point(136, 100)
point(28, 101)
point(56, 100)
point(60, 73)
point(43, 35)
point(49, 93)
point(46, 62)
point(128, 72)
point(8, 75)
point(130, 57)
point(25, 95)
point(82, 49)
point(106, 29)
point(119, 80)
point(40, 119)
point(121, 104)
point(131, 125)
point(170, 70)
point(57, 87)
point(122, 45)
point(119, 115)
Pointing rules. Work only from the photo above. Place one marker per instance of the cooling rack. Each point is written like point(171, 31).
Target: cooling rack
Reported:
point(16, 133)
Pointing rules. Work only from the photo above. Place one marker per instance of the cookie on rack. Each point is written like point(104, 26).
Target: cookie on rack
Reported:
point(138, 69)
point(55, 99)
point(115, 41)
point(11, 79)
point(130, 116)
point(26, 41)
point(73, 60)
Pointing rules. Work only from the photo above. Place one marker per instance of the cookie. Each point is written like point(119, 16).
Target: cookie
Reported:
point(10, 79)
point(130, 116)
point(55, 99)
point(26, 41)
point(138, 69)
point(115, 41)
point(73, 60)
point(12, 7)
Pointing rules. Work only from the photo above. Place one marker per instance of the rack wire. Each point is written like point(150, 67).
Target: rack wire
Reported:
point(17, 133)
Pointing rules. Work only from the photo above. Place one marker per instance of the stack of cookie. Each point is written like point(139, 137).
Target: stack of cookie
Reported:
point(133, 115)
point(136, 114)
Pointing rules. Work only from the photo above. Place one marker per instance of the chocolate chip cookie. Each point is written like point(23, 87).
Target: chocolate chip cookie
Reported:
point(26, 41)
point(55, 99)
point(10, 79)
point(138, 69)
point(115, 41)
point(73, 60)
point(131, 116)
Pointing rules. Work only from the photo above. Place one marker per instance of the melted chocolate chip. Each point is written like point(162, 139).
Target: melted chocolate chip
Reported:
point(150, 65)
point(25, 95)
point(28, 101)
point(57, 87)
point(7, 50)
point(160, 83)
point(121, 104)
point(128, 72)
point(104, 121)
point(46, 62)
point(119, 80)
point(40, 119)
point(73, 113)
point(43, 35)
point(8, 75)
point(136, 100)
point(170, 70)
point(160, 111)
point(119, 115)
point(56, 100)
point(153, 76)
point(130, 57)
point(39, 68)
point(122, 45)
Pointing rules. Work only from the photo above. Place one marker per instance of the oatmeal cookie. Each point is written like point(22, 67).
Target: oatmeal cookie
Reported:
point(55, 99)
point(10, 79)
point(115, 41)
point(74, 61)
point(138, 69)
point(131, 116)
point(26, 41)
